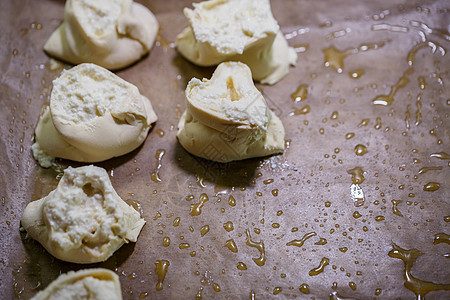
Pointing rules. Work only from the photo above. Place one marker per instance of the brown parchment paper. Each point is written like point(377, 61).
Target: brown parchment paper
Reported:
point(373, 48)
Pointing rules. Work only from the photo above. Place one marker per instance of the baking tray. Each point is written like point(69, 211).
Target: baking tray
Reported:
point(340, 144)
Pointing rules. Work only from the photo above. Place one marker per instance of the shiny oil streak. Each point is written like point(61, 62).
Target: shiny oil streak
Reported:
point(196, 208)
point(419, 287)
point(161, 267)
point(357, 175)
point(300, 94)
point(441, 238)
point(388, 99)
point(155, 174)
point(323, 263)
point(261, 260)
point(334, 58)
point(426, 169)
point(300, 242)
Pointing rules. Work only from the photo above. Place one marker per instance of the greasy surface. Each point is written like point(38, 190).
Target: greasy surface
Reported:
point(280, 199)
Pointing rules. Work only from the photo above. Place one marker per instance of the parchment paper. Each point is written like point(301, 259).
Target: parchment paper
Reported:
point(306, 192)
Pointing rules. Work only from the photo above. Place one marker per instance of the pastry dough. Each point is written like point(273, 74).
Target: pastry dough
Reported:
point(110, 33)
point(93, 115)
point(237, 30)
point(93, 284)
point(227, 118)
point(83, 220)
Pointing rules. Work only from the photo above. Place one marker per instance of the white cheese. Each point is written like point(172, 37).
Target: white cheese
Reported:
point(83, 220)
point(227, 118)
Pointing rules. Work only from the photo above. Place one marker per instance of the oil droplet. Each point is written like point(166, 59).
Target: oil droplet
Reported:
point(230, 244)
point(275, 192)
point(440, 155)
point(356, 215)
point(155, 174)
point(447, 219)
point(196, 209)
point(261, 260)
point(300, 242)
point(204, 230)
point(431, 186)
point(422, 82)
point(357, 175)
point(327, 203)
point(379, 218)
point(161, 271)
point(316, 271)
point(349, 135)
point(279, 213)
point(275, 225)
point(395, 210)
point(441, 238)
point(426, 169)
point(334, 115)
point(160, 132)
point(176, 222)
point(216, 287)
point(184, 245)
point(304, 288)
point(241, 266)
point(419, 110)
point(228, 226)
point(166, 241)
point(360, 150)
point(321, 241)
point(302, 111)
point(268, 181)
point(389, 98)
point(231, 201)
point(356, 73)
point(277, 290)
point(364, 122)
point(407, 117)
point(343, 249)
point(158, 215)
point(199, 294)
point(300, 94)
point(352, 285)
point(378, 292)
point(417, 286)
